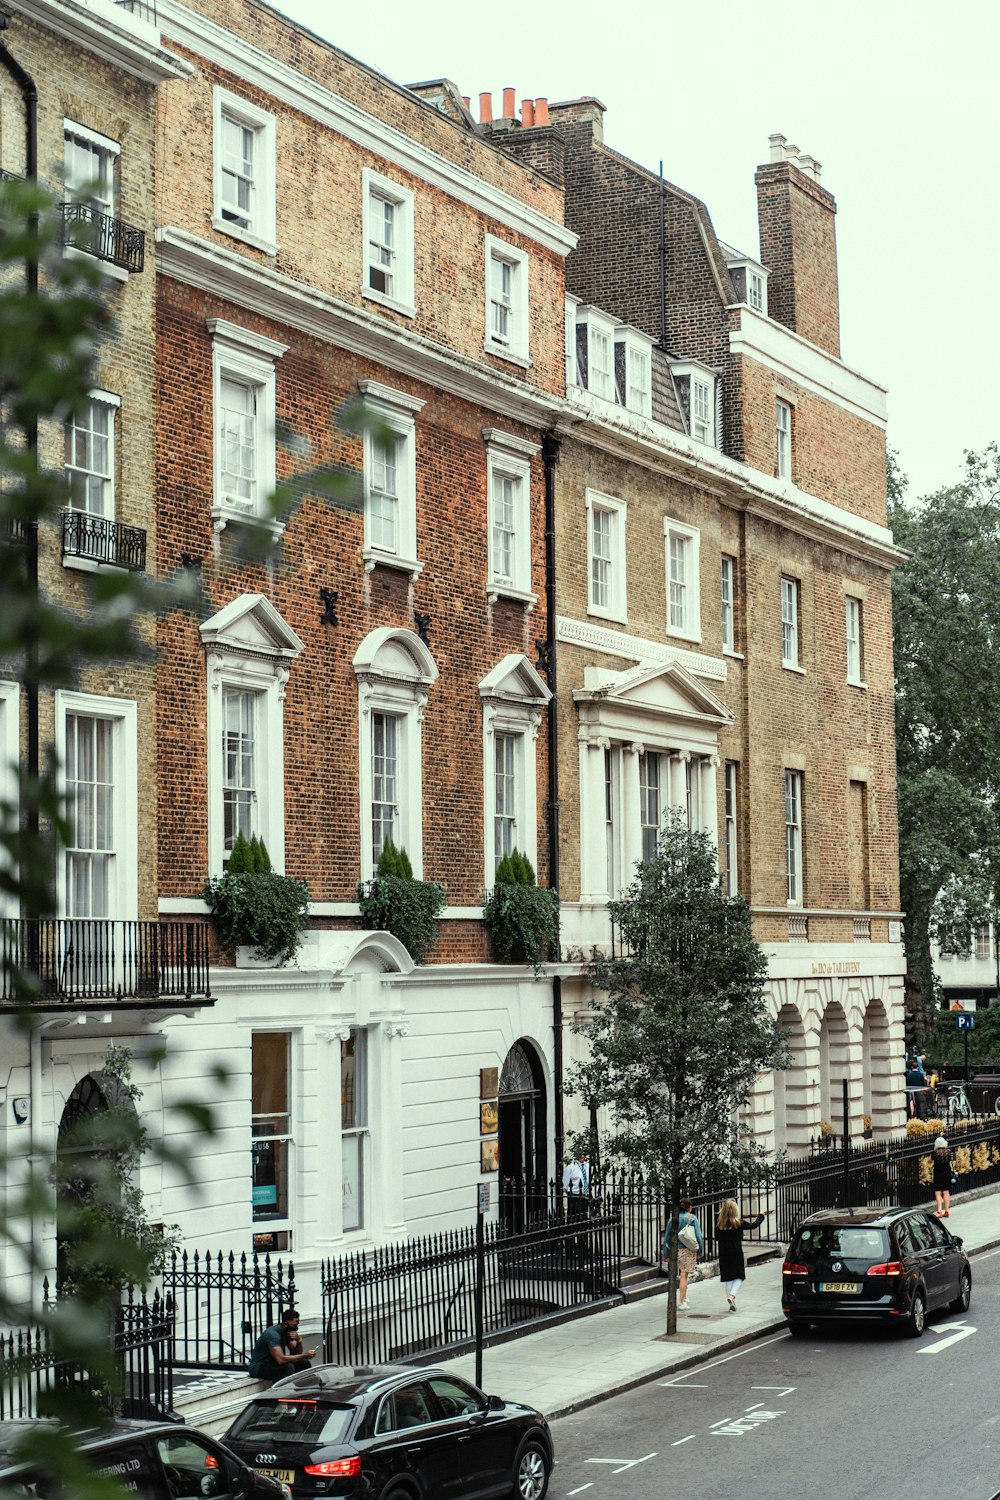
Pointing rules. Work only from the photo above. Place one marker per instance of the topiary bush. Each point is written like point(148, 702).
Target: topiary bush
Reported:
point(395, 902)
point(523, 918)
point(253, 907)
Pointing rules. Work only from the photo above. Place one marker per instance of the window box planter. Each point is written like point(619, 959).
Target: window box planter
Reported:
point(524, 923)
point(262, 912)
point(405, 907)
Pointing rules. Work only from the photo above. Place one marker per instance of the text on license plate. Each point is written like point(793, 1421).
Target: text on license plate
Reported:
point(840, 1286)
point(286, 1475)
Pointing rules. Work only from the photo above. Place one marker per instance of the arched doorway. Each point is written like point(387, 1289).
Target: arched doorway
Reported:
point(74, 1162)
point(521, 1131)
point(834, 1065)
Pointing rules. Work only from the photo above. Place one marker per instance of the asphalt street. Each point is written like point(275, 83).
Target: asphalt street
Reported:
point(847, 1414)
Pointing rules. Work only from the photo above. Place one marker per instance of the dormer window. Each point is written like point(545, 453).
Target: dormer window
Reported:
point(756, 291)
point(749, 279)
point(633, 364)
point(595, 352)
point(697, 387)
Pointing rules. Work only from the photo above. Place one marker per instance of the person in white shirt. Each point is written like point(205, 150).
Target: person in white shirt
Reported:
point(576, 1183)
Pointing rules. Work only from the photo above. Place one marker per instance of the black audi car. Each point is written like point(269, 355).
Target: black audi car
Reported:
point(894, 1265)
point(391, 1432)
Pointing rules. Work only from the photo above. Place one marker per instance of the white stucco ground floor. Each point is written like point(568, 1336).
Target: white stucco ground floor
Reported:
point(358, 1099)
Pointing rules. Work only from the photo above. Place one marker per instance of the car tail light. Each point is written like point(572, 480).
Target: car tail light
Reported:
point(336, 1468)
point(792, 1268)
point(887, 1268)
point(211, 1462)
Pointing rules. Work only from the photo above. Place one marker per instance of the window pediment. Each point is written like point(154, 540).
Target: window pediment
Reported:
point(251, 626)
point(397, 656)
point(514, 680)
point(664, 691)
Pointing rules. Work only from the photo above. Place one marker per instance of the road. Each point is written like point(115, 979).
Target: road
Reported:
point(847, 1414)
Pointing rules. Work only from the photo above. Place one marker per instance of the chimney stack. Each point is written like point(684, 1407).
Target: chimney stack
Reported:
point(798, 245)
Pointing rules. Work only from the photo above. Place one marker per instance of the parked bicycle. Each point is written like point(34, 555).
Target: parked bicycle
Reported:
point(953, 1102)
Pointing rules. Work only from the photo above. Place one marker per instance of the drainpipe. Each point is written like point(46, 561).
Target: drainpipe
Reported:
point(550, 457)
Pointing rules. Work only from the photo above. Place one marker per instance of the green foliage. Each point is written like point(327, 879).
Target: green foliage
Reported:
point(395, 862)
point(259, 910)
point(682, 1029)
point(405, 907)
point(523, 918)
point(261, 858)
point(947, 657)
point(240, 861)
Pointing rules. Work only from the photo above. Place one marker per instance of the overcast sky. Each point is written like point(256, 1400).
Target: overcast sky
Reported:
point(897, 99)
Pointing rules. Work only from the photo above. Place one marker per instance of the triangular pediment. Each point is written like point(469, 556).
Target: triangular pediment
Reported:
point(515, 680)
point(251, 624)
point(664, 689)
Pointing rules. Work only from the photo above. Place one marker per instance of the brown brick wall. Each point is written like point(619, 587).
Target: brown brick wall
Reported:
point(798, 245)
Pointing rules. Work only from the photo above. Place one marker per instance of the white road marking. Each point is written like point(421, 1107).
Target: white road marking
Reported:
point(987, 1254)
point(782, 1390)
point(581, 1487)
point(685, 1385)
point(688, 1439)
point(959, 1331)
point(739, 1426)
point(779, 1338)
point(632, 1463)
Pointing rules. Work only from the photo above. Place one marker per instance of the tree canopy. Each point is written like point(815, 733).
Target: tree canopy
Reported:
point(947, 660)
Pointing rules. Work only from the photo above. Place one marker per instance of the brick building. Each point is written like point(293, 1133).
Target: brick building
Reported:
point(78, 112)
point(723, 597)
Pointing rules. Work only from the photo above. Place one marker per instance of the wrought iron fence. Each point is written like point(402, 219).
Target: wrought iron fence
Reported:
point(70, 959)
point(418, 1297)
point(88, 228)
point(99, 540)
point(141, 1343)
point(221, 1304)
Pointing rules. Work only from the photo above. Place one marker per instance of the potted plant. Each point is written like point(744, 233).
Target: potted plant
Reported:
point(522, 916)
point(398, 903)
point(255, 908)
point(866, 1127)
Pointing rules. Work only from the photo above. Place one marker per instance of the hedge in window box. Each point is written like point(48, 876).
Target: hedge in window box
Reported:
point(523, 917)
point(395, 902)
point(253, 907)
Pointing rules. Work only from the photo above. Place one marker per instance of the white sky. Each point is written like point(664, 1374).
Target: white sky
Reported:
point(896, 98)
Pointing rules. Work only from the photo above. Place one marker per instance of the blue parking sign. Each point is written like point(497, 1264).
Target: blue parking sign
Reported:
point(965, 1020)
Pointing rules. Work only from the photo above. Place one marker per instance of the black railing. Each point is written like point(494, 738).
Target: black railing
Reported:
point(67, 960)
point(144, 8)
point(415, 1298)
point(100, 234)
point(221, 1305)
point(140, 1338)
point(103, 541)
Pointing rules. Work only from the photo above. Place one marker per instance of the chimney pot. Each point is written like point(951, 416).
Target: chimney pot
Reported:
point(508, 104)
point(541, 111)
point(467, 101)
point(527, 112)
point(776, 143)
point(485, 108)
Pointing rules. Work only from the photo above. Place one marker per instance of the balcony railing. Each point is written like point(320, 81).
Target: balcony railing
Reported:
point(87, 228)
point(103, 541)
point(67, 960)
point(144, 8)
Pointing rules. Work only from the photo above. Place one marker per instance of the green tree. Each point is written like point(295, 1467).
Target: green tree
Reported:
point(680, 1026)
point(947, 661)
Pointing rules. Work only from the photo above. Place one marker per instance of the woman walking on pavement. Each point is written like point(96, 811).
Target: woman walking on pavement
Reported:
point(942, 1177)
point(688, 1229)
point(729, 1234)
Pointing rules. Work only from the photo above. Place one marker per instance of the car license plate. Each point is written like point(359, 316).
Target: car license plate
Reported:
point(840, 1286)
point(287, 1476)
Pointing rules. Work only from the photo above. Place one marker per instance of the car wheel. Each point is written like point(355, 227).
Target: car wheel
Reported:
point(798, 1327)
point(531, 1475)
point(961, 1302)
point(918, 1316)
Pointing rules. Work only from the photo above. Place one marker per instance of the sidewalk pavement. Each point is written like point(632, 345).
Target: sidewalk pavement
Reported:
point(575, 1364)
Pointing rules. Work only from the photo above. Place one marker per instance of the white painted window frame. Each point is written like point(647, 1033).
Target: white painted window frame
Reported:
point(572, 365)
point(266, 681)
point(783, 418)
point(292, 1221)
point(594, 321)
point(376, 185)
point(123, 713)
point(519, 716)
point(247, 358)
point(730, 816)
point(728, 601)
point(113, 402)
point(794, 874)
point(397, 411)
point(639, 400)
point(262, 229)
point(110, 148)
point(510, 457)
point(757, 289)
point(516, 348)
point(617, 605)
point(690, 630)
point(854, 616)
point(790, 622)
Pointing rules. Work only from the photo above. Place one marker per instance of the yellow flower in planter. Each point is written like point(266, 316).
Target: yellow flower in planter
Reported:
point(981, 1157)
point(925, 1170)
point(962, 1161)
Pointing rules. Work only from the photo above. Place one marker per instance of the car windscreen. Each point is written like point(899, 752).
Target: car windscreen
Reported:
point(851, 1241)
point(288, 1421)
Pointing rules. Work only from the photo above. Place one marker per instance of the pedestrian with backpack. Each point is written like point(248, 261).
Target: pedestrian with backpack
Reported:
point(690, 1247)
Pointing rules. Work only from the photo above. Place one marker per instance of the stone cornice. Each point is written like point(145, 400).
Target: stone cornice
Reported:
point(789, 354)
point(109, 32)
point(587, 635)
point(281, 81)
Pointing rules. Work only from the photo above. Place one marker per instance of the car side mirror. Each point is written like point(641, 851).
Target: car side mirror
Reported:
point(958, 1239)
point(494, 1403)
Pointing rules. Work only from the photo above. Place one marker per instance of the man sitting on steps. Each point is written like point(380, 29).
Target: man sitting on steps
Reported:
point(269, 1360)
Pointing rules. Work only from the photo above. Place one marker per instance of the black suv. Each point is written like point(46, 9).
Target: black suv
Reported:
point(154, 1460)
point(894, 1264)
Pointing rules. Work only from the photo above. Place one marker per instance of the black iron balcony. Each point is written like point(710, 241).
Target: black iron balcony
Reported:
point(87, 228)
point(144, 8)
point(13, 529)
point(63, 961)
point(103, 541)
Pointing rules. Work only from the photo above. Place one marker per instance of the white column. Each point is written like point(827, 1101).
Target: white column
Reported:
point(329, 1209)
point(709, 797)
point(385, 1123)
point(593, 853)
point(678, 790)
point(632, 830)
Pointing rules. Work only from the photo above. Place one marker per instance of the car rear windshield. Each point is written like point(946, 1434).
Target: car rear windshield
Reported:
point(311, 1422)
point(852, 1241)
